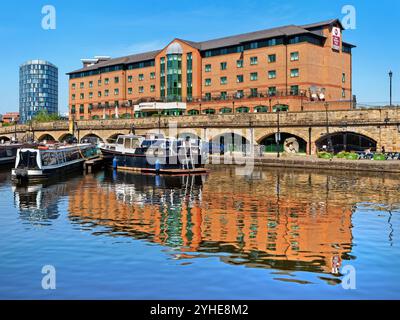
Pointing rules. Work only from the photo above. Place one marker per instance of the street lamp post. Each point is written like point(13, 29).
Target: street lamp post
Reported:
point(390, 80)
point(278, 135)
point(327, 127)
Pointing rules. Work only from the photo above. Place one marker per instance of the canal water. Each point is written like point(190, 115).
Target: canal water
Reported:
point(271, 234)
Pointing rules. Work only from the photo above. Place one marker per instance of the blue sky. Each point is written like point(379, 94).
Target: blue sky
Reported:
point(121, 27)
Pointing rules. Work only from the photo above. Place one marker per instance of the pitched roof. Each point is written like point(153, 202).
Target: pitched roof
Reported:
point(289, 30)
point(322, 24)
point(140, 57)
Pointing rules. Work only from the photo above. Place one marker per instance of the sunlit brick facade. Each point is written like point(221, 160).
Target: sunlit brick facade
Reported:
point(294, 68)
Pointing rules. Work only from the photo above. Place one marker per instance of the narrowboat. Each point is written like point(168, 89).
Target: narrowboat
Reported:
point(8, 152)
point(44, 161)
point(156, 154)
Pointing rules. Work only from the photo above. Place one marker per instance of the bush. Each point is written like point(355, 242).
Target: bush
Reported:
point(379, 157)
point(342, 154)
point(325, 155)
point(352, 156)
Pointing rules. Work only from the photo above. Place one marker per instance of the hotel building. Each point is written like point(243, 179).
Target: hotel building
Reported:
point(292, 68)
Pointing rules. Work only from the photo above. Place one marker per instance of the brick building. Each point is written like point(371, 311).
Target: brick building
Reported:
point(290, 68)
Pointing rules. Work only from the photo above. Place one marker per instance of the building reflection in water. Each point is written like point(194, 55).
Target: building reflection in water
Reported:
point(285, 220)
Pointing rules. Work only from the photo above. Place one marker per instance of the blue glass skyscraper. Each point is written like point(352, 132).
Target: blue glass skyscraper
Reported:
point(38, 89)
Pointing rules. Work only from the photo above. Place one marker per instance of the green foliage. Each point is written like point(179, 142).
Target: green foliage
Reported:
point(352, 156)
point(347, 155)
point(5, 124)
point(44, 116)
point(325, 155)
point(379, 157)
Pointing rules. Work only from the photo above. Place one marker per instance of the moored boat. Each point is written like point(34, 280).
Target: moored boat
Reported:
point(156, 154)
point(46, 160)
point(8, 152)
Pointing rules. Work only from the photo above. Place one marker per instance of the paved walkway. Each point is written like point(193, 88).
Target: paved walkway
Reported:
point(308, 162)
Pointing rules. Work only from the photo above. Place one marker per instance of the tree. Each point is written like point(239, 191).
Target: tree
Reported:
point(44, 116)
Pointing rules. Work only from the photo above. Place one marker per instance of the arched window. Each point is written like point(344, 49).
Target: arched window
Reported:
point(225, 110)
point(261, 109)
point(280, 108)
point(209, 111)
point(243, 109)
point(193, 112)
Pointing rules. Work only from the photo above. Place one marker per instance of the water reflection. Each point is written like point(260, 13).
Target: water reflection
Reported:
point(38, 203)
point(285, 220)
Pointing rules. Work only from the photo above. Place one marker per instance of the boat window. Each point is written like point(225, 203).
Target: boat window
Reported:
point(60, 157)
point(28, 160)
point(120, 141)
point(135, 143)
point(75, 155)
point(127, 144)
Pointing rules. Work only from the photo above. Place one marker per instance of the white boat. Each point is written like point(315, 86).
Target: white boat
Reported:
point(156, 154)
point(8, 152)
point(44, 161)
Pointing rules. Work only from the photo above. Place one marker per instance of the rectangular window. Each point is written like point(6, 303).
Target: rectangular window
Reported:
point(272, 74)
point(208, 96)
point(73, 97)
point(254, 92)
point(73, 109)
point(82, 96)
point(224, 80)
point(271, 58)
point(130, 90)
point(239, 63)
point(223, 65)
point(253, 76)
point(90, 95)
point(116, 92)
point(90, 84)
point(343, 93)
point(73, 86)
point(224, 94)
point(294, 56)
point(99, 94)
point(239, 78)
point(294, 73)
point(106, 81)
point(99, 82)
point(81, 108)
point(130, 78)
point(253, 61)
point(141, 77)
point(106, 93)
point(208, 68)
point(343, 77)
point(208, 82)
point(239, 94)
point(116, 79)
point(272, 91)
point(141, 89)
point(152, 75)
point(81, 85)
point(294, 90)
point(254, 45)
point(152, 88)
